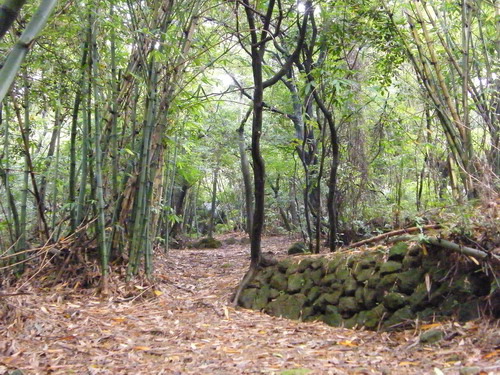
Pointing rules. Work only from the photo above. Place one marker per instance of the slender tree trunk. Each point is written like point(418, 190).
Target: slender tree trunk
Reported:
point(214, 202)
point(99, 189)
point(245, 171)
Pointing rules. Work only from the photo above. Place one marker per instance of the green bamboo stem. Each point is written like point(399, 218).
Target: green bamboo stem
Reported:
point(16, 56)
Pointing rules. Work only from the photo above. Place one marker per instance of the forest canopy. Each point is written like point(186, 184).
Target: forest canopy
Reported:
point(130, 126)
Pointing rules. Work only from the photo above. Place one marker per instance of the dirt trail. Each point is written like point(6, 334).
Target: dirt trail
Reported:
point(189, 328)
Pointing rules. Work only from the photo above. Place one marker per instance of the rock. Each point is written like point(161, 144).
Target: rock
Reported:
point(332, 298)
point(316, 276)
point(247, 297)
point(298, 248)
point(262, 298)
point(279, 281)
point(332, 319)
point(431, 336)
point(374, 316)
point(470, 371)
point(358, 295)
point(307, 286)
point(388, 282)
point(398, 251)
point(400, 316)
point(367, 262)
point(285, 264)
point(307, 312)
point(361, 318)
point(419, 296)
point(208, 243)
point(352, 322)
point(373, 281)
point(288, 306)
point(350, 286)
point(295, 282)
point(363, 275)
point(317, 264)
point(369, 297)
point(328, 279)
point(408, 280)
point(313, 294)
point(410, 261)
point(273, 293)
point(348, 305)
point(292, 268)
point(394, 301)
point(320, 304)
point(304, 264)
point(390, 267)
point(342, 274)
point(332, 265)
point(468, 311)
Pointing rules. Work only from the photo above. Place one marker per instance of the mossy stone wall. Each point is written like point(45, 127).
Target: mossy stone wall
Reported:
point(377, 289)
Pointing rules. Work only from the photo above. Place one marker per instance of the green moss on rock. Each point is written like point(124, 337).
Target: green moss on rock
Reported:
point(374, 316)
point(394, 301)
point(247, 297)
point(348, 305)
point(408, 280)
point(298, 248)
point(350, 286)
point(208, 243)
point(313, 294)
point(287, 306)
point(401, 316)
point(279, 281)
point(390, 267)
point(295, 282)
point(398, 251)
point(332, 298)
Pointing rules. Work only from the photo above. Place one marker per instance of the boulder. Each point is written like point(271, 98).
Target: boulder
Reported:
point(298, 248)
point(431, 336)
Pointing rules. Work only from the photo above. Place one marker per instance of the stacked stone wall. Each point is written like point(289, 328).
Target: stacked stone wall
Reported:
point(381, 289)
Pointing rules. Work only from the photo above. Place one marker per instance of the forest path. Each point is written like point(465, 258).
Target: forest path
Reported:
point(191, 329)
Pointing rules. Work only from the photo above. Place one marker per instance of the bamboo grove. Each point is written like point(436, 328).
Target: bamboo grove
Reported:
point(104, 102)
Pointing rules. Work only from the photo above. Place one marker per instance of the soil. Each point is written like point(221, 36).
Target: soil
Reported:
point(184, 324)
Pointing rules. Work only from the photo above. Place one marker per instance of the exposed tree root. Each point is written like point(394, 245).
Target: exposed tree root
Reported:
point(252, 271)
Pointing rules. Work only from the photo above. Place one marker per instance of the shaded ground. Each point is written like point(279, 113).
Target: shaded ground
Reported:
point(185, 325)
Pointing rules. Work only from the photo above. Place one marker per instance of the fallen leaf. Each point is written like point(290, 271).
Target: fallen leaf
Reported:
point(142, 347)
point(492, 354)
point(347, 343)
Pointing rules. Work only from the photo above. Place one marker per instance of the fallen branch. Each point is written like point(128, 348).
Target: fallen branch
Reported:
point(384, 236)
point(445, 244)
